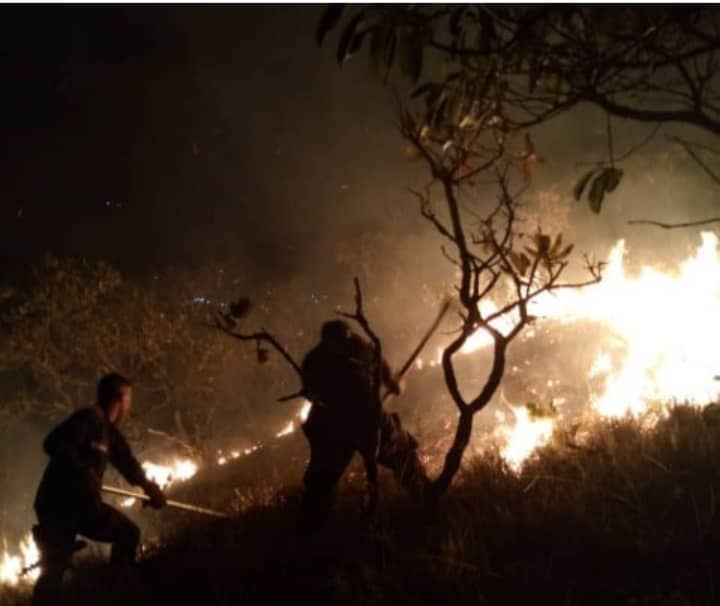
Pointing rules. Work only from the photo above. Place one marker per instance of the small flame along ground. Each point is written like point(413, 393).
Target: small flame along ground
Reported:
point(656, 360)
point(12, 565)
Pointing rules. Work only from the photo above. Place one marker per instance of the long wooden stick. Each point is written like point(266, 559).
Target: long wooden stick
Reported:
point(416, 352)
point(176, 504)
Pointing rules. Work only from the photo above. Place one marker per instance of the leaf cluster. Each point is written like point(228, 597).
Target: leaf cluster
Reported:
point(602, 180)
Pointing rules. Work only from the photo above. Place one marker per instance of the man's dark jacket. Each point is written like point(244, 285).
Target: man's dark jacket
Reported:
point(79, 449)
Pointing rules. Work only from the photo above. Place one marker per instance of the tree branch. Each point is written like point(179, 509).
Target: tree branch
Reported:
point(652, 115)
point(361, 319)
point(675, 225)
point(225, 323)
point(688, 147)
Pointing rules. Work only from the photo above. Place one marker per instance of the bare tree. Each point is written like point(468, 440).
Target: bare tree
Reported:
point(502, 265)
point(497, 262)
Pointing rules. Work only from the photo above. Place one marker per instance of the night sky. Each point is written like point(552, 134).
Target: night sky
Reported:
point(152, 136)
point(164, 135)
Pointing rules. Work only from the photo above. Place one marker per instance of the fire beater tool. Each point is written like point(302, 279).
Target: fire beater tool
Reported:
point(416, 352)
point(176, 504)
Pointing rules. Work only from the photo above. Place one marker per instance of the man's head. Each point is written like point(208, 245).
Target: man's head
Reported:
point(114, 396)
point(335, 331)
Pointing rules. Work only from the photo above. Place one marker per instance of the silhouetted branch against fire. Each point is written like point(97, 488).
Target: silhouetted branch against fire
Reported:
point(698, 223)
point(226, 322)
point(359, 317)
point(489, 249)
point(491, 255)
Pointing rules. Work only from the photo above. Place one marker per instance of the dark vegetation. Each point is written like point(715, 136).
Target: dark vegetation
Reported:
point(628, 517)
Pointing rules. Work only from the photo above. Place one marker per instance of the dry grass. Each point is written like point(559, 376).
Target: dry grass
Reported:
point(629, 517)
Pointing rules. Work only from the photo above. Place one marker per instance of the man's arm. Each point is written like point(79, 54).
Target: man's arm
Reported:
point(389, 380)
point(124, 461)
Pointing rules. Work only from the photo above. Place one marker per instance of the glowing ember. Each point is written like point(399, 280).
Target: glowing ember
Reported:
point(223, 459)
point(523, 437)
point(11, 566)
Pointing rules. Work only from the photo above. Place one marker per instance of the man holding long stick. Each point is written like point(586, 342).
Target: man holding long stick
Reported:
point(338, 378)
point(68, 500)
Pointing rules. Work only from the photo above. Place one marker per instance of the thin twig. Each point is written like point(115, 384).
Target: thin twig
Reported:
point(225, 326)
point(359, 317)
point(701, 163)
point(675, 225)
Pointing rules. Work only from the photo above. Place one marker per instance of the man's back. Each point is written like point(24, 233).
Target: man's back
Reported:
point(339, 375)
point(79, 449)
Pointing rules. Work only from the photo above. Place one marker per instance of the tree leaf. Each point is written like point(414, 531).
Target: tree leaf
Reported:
point(411, 55)
point(529, 163)
point(613, 176)
point(520, 261)
point(529, 158)
point(454, 22)
point(556, 245)
point(356, 43)
point(381, 40)
point(329, 19)
point(606, 182)
point(580, 185)
point(439, 114)
point(263, 355)
point(347, 37)
point(486, 34)
point(456, 104)
point(597, 193)
point(424, 89)
point(529, 145)
point(543, 244)
point(390, 54)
